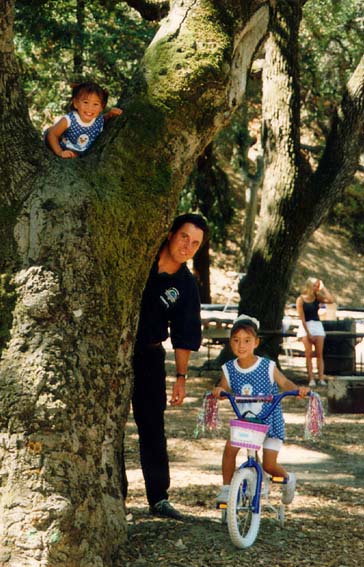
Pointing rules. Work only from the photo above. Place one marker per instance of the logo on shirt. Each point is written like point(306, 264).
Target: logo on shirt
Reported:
point(247, 390)
point(170, 296)
point(83, 140)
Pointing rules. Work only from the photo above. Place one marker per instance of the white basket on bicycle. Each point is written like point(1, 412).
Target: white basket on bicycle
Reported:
point(248, 434)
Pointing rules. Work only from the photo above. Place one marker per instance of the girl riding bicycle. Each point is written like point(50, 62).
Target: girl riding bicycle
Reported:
point(249, 374)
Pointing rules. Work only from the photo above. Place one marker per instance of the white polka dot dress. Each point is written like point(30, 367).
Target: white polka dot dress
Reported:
point(257, 380)
point(79, 136)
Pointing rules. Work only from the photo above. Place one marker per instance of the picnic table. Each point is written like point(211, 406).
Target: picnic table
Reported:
point(339, 348)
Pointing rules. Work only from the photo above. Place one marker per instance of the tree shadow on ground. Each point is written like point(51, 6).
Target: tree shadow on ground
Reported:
point(328, 507)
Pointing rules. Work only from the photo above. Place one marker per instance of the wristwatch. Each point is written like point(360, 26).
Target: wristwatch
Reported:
point(180, 375)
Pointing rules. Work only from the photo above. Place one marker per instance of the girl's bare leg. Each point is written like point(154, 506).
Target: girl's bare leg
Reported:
point(319, 350)
point(229, 462)
point(308, 354)
point(270, 464)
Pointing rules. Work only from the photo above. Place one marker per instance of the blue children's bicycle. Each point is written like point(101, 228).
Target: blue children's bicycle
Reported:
point(250, 483)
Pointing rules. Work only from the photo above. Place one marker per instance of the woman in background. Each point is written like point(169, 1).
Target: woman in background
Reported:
point(311, 330)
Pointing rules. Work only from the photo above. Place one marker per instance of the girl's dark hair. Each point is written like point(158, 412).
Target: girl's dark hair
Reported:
point(247, 326)
point(89, 88)
point(193, 218)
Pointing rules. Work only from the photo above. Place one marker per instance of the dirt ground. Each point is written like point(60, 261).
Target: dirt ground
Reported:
point(324, 524)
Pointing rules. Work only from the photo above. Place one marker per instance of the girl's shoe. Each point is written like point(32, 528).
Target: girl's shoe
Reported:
point(288, 489)
point(223, 496)
point(312, 383)
point(322, 383)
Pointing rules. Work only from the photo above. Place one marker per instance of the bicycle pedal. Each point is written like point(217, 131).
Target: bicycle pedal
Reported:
point(221, 506)
point(279, 479)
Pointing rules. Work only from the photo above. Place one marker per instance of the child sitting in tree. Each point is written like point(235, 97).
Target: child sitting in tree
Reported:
point(75, 132)
point(251, 375)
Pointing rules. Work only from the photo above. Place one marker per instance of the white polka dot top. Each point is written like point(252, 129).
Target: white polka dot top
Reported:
point(79, 136)
point(257, 380)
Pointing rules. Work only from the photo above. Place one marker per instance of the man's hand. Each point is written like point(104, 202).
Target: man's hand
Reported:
point(178, 392)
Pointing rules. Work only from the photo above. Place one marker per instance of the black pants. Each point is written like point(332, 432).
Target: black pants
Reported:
point(149, 404)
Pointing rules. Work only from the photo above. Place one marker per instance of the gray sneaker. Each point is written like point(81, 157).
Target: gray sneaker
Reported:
point(164, 509)
point(223, 496)
point(288, 489)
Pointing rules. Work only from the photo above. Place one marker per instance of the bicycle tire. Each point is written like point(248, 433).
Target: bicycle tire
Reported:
point(243, 523)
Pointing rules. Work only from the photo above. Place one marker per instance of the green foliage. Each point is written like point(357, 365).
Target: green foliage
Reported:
point(208, 191)
point(349, 214)
point(331, 39)
point(211, 188)
point(232, 143)
point(331, 45)
point(60, 42)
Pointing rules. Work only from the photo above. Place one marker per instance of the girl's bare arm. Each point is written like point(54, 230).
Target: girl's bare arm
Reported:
point(53, 136)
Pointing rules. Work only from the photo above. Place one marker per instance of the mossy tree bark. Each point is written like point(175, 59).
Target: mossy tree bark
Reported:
point(295, 199)
point(77, 241)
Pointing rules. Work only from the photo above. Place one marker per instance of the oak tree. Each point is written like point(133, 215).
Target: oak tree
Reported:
point(77, 238)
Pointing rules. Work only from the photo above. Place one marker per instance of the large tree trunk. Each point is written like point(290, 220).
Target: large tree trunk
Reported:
point(294, 199)
point(253, 183)
point(77, 240)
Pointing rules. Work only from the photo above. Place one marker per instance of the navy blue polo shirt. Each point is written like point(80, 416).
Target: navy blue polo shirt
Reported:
point(170, 301)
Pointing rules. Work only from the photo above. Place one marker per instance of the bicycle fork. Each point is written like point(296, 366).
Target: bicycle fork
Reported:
point(252, 463)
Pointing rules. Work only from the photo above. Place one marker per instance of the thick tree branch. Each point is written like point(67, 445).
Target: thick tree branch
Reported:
point(194, 76)
point(318, 149)
point(344, 144)
point(20, 148)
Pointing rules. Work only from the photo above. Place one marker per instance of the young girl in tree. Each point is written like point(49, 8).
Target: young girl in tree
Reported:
point(252, 375)
point(75, 132)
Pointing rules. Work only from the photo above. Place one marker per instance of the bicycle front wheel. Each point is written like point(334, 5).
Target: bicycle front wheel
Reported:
point(243, 523)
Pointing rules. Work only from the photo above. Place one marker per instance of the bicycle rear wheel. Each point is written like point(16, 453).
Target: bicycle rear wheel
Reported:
point(243, 523)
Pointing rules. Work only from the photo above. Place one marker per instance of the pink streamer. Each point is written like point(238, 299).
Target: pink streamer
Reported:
point(315, 418)
point(208, 419)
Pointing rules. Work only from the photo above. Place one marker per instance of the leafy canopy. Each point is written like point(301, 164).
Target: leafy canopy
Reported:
point(62, 41)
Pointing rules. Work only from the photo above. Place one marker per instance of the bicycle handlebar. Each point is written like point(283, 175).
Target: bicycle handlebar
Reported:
point(272, 399)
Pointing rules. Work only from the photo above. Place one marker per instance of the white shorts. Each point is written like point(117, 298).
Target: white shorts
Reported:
point(316, 329)
point(272, 443)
